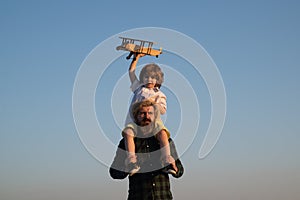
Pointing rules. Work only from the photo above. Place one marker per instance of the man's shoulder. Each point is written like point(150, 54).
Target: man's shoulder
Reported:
point(122, 144)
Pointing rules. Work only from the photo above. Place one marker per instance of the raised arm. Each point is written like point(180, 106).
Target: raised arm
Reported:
point(132, 66)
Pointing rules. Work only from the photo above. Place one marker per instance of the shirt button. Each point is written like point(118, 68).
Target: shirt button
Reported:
point(147, 146)
point(153, 184)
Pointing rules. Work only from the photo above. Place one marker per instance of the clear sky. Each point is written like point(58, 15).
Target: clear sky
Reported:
point(254, 44)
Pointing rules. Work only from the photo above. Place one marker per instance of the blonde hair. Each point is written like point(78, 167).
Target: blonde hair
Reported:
point(155, 70)
point(135, 108)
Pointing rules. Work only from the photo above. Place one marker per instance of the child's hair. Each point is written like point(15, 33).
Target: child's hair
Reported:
point(153, 69)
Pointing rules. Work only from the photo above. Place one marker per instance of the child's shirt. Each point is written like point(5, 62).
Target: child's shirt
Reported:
point(154, 94)
point(142, 93)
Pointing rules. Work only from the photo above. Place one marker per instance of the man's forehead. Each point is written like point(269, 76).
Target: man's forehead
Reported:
point(147, 109)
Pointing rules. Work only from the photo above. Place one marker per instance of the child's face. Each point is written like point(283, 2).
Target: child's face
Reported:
point(149, 80)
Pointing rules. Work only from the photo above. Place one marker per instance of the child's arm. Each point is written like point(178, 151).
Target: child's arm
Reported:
point(132, 67)
point(161, 101)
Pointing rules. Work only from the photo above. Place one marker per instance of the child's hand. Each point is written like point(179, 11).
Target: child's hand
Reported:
point(138, 55)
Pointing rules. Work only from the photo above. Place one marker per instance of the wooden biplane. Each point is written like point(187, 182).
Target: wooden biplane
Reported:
point(138, 46)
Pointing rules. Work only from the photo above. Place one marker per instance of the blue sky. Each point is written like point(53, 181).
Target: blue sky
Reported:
point(255, 45)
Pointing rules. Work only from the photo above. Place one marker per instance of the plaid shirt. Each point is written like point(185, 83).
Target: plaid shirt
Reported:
point(150, 183)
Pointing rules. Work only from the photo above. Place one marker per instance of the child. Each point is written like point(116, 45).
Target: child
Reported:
point(148, 87)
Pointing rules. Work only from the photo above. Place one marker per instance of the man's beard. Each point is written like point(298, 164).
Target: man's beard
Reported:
point(145, 126)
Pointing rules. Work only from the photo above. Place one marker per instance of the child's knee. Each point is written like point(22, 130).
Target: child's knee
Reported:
point(162, 135)
point(128, 132)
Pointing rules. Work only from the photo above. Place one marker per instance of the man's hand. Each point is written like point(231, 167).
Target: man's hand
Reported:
point(170, 164)
point(170, 159)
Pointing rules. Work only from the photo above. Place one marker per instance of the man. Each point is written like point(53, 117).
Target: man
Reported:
point(152, 181)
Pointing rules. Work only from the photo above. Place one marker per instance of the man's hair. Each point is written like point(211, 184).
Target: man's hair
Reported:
point(153, 69)
point(135, 108)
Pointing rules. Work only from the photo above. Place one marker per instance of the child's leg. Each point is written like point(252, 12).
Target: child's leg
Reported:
point(164, 143)
point(131, 160)
point(163, 139)
point(129, 145)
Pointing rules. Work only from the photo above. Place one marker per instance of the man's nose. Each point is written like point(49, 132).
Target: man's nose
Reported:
point(147, 115)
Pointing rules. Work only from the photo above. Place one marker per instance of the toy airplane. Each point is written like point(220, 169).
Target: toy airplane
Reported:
point(138, 46)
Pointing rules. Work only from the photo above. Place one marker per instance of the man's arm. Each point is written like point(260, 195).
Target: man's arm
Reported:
point(117, 168)
point(177, 160)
